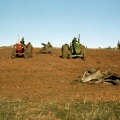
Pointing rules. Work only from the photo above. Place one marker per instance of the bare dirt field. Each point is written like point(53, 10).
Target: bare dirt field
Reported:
point(47, 76)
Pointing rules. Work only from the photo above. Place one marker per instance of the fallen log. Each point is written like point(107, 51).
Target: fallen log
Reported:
point(95, 76)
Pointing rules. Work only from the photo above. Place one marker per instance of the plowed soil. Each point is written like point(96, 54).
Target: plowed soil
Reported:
point(47, 76)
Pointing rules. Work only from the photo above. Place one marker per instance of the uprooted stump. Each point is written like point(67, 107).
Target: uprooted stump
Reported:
point(93, 76)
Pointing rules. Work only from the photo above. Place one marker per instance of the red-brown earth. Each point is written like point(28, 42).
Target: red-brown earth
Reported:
point(47, 77)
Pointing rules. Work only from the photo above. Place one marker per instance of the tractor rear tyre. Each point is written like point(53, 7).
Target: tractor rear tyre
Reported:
point(65, 51)
point(29, 52)
point(69, 55)
point(25, 55)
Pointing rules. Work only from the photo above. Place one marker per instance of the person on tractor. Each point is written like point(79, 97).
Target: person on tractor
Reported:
point(22, 41)
point(74, 44)
point(74, 40)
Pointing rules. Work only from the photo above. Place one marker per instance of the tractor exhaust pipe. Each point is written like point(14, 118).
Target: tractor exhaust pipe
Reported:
point(18, 39)
point(79, 38)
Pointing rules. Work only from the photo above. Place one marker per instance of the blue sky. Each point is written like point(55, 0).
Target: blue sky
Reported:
point(59, 21)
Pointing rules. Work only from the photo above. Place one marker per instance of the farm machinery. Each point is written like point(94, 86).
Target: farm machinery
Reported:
point(22, 50)
point(75, 49)
point(46, 48)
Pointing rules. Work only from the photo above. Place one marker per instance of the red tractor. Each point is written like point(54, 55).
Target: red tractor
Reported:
point(22, 50)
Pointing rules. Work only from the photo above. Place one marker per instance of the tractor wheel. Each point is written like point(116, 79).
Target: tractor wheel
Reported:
point(25, 55)
point(69, 55)
point(29, 52)
point(65, 51)
point(13, 53)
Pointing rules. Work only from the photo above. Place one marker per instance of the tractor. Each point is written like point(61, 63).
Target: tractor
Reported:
point(46, 48)
point(75, 49)
point(22, 50)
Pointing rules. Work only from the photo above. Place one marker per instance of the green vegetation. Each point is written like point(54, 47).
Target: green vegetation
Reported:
point(39, 110)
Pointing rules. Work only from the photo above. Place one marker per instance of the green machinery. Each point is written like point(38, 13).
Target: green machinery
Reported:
point(46, 48)
point(75, 49)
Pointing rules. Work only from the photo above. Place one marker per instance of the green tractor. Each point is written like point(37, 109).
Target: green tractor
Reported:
point(75, 49)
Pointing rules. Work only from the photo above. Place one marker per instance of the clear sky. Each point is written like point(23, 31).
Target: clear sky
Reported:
point(59, 21)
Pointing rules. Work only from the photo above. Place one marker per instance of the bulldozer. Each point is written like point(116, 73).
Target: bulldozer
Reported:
point(46, 48)
point(74, 50)
point(22, 50)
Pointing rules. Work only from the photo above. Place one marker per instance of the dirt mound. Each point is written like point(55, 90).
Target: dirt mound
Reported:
point(47, 76)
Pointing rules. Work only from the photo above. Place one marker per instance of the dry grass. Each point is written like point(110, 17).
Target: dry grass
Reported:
point(33, 110)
